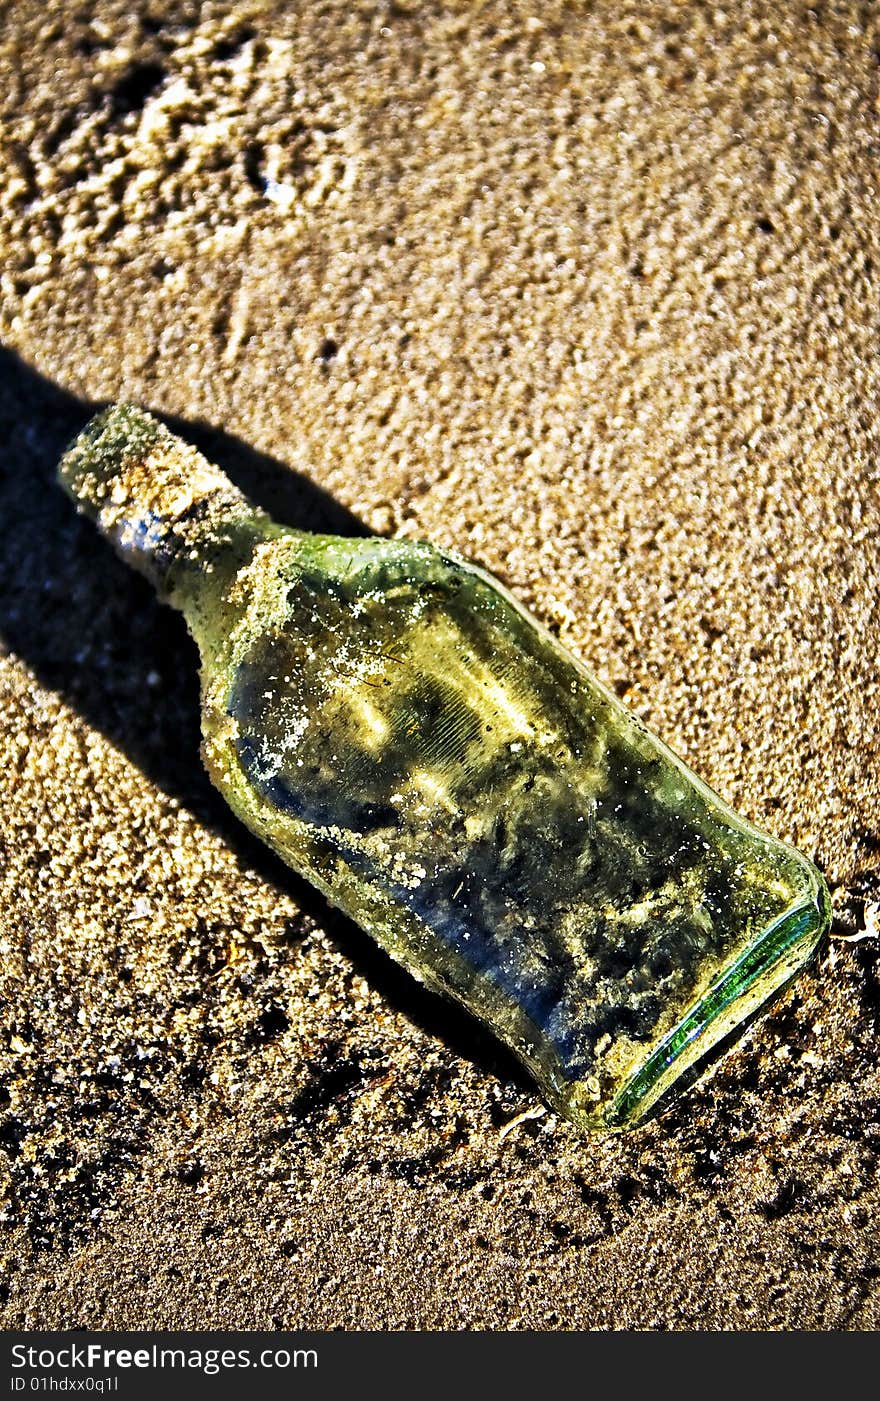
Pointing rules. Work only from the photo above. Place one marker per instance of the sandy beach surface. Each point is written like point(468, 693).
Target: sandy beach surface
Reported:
point(590, 294)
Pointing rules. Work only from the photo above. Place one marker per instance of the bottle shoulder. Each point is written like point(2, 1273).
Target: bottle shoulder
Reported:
point(294, 582)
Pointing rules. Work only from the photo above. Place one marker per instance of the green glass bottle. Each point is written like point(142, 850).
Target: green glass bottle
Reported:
point(402, 733)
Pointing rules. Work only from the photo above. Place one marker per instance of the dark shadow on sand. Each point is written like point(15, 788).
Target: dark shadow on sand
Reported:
point(92, 630)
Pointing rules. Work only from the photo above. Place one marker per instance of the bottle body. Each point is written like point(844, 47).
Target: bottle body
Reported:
point(403, 734)
point(391, 722)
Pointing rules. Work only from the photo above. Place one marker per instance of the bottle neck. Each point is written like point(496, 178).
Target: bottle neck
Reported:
point(165, 509)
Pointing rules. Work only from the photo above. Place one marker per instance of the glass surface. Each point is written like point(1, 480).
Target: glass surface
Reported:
point(404, 734)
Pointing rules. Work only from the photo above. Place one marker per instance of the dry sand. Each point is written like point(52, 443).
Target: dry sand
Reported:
point(593, 298)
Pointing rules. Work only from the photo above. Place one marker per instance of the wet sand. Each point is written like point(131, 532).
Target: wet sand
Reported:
point(592, 299)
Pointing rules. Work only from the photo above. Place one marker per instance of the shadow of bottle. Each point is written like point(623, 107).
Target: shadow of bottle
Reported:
point(92, 630)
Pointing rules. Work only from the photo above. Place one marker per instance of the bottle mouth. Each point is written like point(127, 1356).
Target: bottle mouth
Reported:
point(764, 968)
point(166, 510)
point(117, 435)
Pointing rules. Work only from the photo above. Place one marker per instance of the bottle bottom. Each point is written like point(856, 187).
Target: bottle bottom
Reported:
point(762, 971)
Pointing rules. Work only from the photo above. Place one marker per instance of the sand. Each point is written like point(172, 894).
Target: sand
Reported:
point(591, 295)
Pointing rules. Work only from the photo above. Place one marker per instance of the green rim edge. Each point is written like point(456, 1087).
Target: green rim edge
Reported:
point(804, 922)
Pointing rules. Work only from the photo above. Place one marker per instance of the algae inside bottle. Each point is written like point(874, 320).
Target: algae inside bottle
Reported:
point(404, 734)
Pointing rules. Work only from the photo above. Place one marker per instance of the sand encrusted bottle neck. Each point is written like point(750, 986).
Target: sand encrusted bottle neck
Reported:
point(166, 510)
